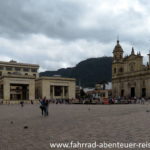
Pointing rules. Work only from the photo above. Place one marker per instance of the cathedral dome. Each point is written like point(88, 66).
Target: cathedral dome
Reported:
point(118, 47)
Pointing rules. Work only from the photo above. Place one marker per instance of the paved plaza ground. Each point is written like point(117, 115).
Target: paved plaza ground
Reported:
point(65, 123)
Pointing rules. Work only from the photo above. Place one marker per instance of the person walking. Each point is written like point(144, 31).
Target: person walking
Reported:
point(46, 107)
point(32, 102)
point(22, 103)
point(42, 106)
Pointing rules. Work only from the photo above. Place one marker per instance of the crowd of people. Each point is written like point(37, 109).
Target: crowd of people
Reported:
point(133, 100)
point(114, 100)
point(44, 103)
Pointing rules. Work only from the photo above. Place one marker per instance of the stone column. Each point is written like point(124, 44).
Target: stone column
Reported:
point(147, 88)
point(6, 90)
point(138, 89)
point(45, 89)
point(32, 91)
point(53, 92)
point(128, 89)
point(63, 91)
point(118, 89)
point(68, 92)
point(71, 90)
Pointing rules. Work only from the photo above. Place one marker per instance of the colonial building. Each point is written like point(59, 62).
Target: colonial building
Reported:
point(17, 81)
point(20, 81)
point(130, 77)
point(55, 87)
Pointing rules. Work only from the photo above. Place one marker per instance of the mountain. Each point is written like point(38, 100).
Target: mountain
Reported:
point(87, 72)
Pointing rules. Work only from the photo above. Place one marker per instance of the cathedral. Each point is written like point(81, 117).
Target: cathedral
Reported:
point(130, 77)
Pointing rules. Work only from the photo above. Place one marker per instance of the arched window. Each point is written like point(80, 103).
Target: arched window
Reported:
point(121, 70)
point(132, 66)
point(34, 75)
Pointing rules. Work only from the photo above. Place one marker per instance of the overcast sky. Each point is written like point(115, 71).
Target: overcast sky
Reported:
point(61, 33)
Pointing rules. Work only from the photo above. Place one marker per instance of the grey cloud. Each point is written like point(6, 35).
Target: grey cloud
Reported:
point(68, 21)
point(53, 18)
point(60, 19)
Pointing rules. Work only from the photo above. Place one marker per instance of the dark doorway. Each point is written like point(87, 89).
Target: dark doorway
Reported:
point(132, 92)
point(1, 91)
point(122, 93)
point(58, 90)
point(25, 92)
point(143, 92)
point(19, 92)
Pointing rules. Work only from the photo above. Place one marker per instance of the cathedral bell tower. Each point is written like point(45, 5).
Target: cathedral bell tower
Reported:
point(117, 69)
point(117, 53)
point(117, 66)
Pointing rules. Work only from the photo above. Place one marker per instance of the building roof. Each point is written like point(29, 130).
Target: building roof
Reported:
point(56, 78)
point(118, 47)
point(17, 76)
point(14, 63)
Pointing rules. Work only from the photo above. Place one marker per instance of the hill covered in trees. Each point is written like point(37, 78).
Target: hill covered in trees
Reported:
point(87, 72)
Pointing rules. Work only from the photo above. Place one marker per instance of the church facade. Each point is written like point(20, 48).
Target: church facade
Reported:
point(130, 78)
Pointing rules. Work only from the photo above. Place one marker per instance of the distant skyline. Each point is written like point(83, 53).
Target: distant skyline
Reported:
point(60, 33)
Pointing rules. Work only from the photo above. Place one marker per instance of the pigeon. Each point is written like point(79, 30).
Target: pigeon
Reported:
point(25, 127)
point(11, 122)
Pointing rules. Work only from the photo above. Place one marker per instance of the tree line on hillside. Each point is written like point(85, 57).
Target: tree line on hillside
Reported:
point(87, 72)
